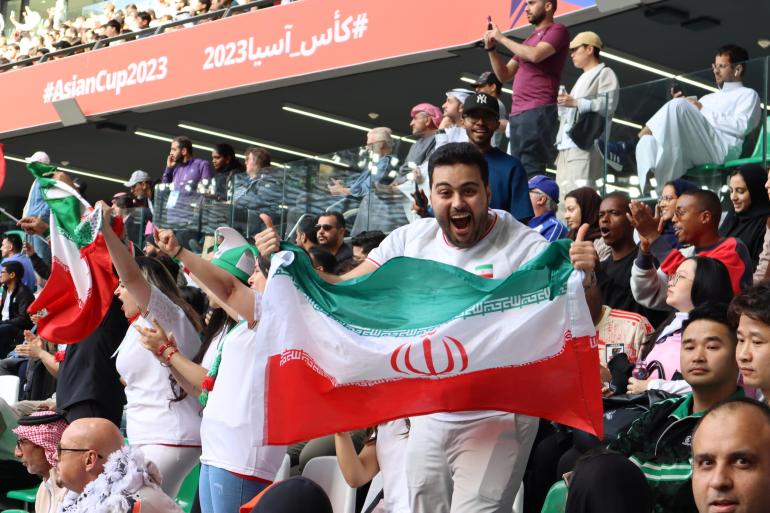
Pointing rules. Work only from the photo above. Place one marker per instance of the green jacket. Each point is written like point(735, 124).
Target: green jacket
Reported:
point(659, 442)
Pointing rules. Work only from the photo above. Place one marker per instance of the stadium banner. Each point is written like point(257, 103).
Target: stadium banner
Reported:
point(247, 52)
point(417, 337)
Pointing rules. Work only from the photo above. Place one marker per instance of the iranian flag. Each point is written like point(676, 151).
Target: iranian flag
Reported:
point(81, 286)
point(417, 337)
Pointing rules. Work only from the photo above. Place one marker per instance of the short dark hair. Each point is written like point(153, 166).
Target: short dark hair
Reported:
point(144, 16)
point(15, 241)
point(114, 24)
point(714, 312)
point(337, 215)
point(709, 282)
point(369, 240)
point(185, 143)
point(15, 267)
point(458, 153)
point(225, 150)
point(622, 196)
point(709, 201)
point(753, 302)
point(261, 154)
point(306, 226)
point(324, 258)
point(736, 54)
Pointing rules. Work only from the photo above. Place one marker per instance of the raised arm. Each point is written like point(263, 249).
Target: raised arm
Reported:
point(223, 285)
point(130, 275)
point(357, 469)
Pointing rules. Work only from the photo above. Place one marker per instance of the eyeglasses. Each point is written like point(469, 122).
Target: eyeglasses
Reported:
point(716, 67)
point(326, 227)
point(678, 276)
point(667, 198)
point(60, 449)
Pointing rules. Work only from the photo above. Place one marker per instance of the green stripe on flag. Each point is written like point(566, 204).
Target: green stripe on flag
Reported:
point(417, 294)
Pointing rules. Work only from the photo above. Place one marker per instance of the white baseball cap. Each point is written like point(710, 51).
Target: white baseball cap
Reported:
point(138, 176)
point(40, 156)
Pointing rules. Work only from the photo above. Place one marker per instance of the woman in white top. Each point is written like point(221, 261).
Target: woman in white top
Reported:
point(235, 467)
point(596, 90)
point(160, 417)
point(385, 452)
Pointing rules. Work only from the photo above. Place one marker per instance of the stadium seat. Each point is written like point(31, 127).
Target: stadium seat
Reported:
point(186, 495)
point(9, 389)
point(283, 471)
point(556, 500)
point(374, 489)
point(518, 503)
point(756, 155)
point(325, 472)
point(27, 496)
point(14, 511)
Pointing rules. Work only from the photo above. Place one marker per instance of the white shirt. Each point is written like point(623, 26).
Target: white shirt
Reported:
point(213, 349)
point(235, 409)
point(507, 245)
point(151, 417)
point(391, 458)
point(6, 314)
point(733, 111)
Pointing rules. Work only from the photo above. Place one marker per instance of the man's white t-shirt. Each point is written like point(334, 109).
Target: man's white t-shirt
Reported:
point(6, 314)
point(507, 245)
point(152, 417)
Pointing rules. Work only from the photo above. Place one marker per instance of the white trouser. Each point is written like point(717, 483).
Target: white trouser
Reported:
point(174, 464)
point(577, 168)
point(470, 466)
point(681, 139)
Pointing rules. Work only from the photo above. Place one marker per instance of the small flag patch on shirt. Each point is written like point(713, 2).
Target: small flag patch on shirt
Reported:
point(485, 271)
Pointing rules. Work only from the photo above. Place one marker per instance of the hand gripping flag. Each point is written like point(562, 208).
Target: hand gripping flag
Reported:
point(81, 286)
point(417, 337)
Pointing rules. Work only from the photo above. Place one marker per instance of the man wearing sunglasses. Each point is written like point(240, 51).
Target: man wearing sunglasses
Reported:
point(104, 475)
point(330, 232)
point(37, 438)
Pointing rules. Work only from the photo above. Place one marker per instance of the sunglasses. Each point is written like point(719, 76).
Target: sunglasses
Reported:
point(60, 449)
point(326, 227)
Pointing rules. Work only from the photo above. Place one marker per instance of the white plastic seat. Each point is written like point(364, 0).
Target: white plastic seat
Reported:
point(518, 502)
point(325, 472)
point(9, 389)
point(284, 469)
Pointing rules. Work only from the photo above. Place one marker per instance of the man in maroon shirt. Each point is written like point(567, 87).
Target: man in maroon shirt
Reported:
point(536, 69)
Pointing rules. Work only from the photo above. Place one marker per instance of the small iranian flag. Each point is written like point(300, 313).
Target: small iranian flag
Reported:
point(417, 337)
point(81, 286)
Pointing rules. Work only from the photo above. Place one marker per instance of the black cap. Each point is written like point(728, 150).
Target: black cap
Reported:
point(295, 495)
point(488, 78)
point(481, 101)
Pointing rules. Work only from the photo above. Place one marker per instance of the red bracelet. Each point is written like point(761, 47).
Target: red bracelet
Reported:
point(172, 353)
point(165, 346)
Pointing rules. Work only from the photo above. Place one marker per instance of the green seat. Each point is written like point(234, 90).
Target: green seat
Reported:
point(27, 495)
point(756, 155)
point(186, 495)
point(556, 500)
point(14, 511)
point(704, 168)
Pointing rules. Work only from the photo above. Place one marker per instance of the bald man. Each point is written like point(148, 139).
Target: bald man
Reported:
point(731, 458)
point(87, 447)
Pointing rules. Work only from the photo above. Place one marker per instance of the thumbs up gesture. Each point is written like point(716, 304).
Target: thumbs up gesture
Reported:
point(582, 253)
point(267, 241)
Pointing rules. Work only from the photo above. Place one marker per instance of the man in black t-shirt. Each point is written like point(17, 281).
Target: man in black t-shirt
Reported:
point(614, 275)
point(88, 384)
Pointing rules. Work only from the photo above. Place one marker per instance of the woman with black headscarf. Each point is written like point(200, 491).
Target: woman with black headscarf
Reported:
point(582, 206)
point(750, 207)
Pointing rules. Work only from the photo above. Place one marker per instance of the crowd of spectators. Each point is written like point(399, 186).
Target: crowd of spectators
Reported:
point(677, 291)
point(33, 34)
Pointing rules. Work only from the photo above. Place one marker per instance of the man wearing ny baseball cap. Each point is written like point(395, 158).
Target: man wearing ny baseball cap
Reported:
point(544, 196)
point(507, 177)
point(488, 83)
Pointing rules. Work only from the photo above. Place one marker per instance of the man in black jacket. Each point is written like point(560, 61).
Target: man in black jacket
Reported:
point(14, 302)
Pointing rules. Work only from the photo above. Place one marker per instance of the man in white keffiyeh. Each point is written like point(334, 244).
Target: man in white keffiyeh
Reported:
point(104, 476)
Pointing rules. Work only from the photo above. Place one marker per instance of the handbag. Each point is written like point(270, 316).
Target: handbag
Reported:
point(588, 126)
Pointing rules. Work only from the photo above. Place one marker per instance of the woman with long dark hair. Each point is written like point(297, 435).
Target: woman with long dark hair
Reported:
point(697, 280)
point(582, 206)
point(749, 209)
point(159, 418)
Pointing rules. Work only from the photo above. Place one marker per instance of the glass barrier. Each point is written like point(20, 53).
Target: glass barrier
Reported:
point(676, 148)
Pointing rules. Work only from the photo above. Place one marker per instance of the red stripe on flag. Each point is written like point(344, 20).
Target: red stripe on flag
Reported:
point(303, 404)
point(65, 321)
